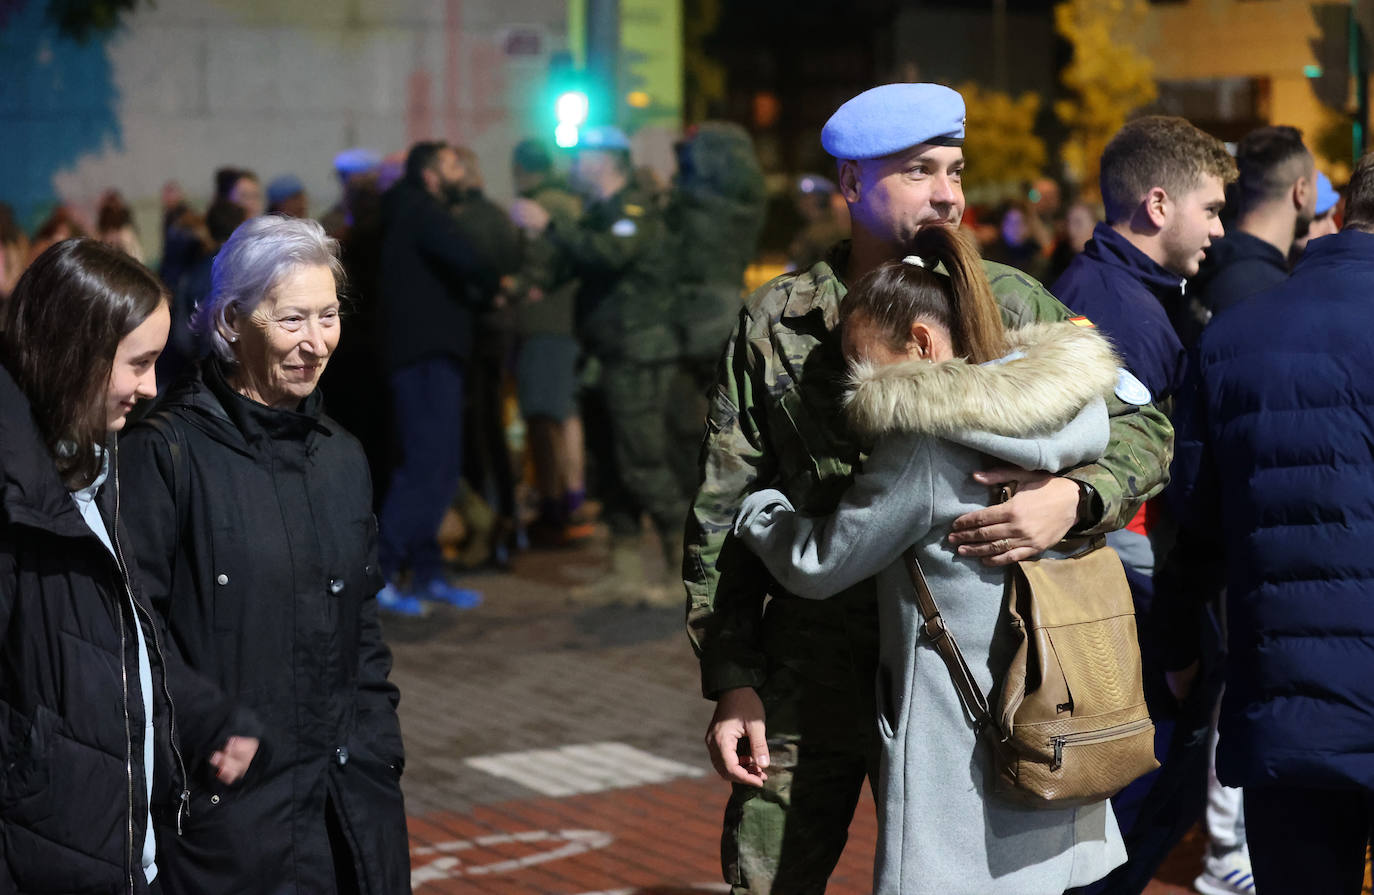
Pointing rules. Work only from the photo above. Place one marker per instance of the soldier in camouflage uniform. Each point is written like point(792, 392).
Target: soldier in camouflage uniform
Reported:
point(623, 313)
point(795, 685)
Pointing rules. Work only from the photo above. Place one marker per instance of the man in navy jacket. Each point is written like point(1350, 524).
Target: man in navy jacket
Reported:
point(1163, 187)
point(1274, 480)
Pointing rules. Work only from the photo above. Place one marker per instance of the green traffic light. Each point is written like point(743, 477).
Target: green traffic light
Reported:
point(571, 108)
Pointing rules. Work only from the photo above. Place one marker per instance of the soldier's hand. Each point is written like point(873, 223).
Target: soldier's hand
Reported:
point(1037, 517)
point(738, 721)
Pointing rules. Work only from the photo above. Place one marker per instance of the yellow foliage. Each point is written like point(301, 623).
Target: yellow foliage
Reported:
point(999, 138)
point(1108, 76)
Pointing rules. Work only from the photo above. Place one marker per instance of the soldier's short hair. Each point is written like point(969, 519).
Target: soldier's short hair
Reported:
point(1270, 161)
point(1158, 151)
point(1359, 196)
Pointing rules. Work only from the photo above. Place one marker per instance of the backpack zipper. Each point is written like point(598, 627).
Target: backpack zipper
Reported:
point(1120, 731)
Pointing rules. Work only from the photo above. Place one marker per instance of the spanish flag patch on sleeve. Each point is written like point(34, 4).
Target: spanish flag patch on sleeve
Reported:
point(1080, 321)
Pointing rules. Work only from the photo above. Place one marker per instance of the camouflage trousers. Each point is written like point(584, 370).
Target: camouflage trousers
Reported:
point(638, 407)
point(786, 837)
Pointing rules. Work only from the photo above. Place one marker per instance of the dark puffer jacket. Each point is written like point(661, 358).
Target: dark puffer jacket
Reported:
point(259, 548)
point(1275, 468)
point(73, 804)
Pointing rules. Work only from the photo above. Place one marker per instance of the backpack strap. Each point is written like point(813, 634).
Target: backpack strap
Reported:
point(181, 475)
point(934, 630)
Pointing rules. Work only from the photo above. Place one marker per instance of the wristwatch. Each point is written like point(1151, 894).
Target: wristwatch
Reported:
point(1089, 507)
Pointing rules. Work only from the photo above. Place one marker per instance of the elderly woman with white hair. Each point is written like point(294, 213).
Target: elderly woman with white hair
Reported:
point(250, 514)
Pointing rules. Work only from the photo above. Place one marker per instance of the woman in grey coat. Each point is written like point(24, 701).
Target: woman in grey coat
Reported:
point(939, 387)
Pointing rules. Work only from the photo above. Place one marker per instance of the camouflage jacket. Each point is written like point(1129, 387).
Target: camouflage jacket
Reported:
point(776, 420)
point(545, 268)
point(620, 252)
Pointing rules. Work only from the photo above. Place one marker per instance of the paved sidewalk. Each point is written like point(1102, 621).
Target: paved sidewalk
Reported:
point(557, 749)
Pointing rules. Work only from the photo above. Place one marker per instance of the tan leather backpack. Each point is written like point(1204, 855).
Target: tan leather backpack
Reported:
point(1070, 725)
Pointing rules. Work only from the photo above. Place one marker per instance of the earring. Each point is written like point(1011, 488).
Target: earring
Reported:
point(233, 338)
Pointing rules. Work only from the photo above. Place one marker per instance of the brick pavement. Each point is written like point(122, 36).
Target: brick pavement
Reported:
point(528, 673)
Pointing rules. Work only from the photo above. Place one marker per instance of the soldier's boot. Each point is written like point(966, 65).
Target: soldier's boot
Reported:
point(482, 530)
point(664, 590)
point(623, 581)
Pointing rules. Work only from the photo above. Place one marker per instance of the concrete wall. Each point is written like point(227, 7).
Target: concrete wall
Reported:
point(278, 86)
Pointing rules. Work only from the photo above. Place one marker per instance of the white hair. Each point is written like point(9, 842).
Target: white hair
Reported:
point(255, 259)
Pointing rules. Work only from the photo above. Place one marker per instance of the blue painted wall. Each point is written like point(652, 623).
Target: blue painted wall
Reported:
point(58, 102)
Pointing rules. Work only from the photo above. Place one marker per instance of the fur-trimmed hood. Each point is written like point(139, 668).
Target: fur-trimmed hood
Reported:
point(1056, 368)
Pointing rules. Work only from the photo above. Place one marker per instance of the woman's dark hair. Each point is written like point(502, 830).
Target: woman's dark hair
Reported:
point(899, 293)
point(64, 323)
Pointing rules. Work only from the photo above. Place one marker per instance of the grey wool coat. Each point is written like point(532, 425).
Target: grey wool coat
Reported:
point(942, 830)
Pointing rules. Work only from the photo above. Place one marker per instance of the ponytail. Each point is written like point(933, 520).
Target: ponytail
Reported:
point(959, 298)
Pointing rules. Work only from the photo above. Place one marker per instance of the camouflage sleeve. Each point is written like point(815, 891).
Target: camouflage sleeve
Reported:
point(605, 250)
point(1135, 466)
point(726, 583)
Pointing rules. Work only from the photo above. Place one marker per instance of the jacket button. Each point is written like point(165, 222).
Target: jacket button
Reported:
point(222, 579)
point(367, 567)
point(336, 585)
point(214, 800)
point(341, 754)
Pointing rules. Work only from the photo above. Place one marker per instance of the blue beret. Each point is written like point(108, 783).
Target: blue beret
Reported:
point(1327, 197)
point(283, 188)
point(604, 136)
point(356, 161)
point(894, 117)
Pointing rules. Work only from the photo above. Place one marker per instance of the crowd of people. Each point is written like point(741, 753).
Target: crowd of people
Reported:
point(196, 550)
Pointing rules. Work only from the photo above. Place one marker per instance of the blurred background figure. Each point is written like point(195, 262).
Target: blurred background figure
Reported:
point(114, 225)
point(242, 187)
point(488, 504)
point(431, 277)
point(546, 365)
point(286, 196)
point(624, 317)
point(210, 233)
point(1021, 240)
point(61, 224)
point(1325, 218)
point(715, 214)
point(356, 170)
point(355, 220)
point(825, 217)
point(1075, 230)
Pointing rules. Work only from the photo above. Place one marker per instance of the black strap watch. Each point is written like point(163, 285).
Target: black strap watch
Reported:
point(1089, 508)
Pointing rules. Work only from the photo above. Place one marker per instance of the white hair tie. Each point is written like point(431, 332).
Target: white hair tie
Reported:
point(914, 259)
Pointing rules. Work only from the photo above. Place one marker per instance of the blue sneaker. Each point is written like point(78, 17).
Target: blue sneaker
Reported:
point(390, 599)
point(441, 591)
